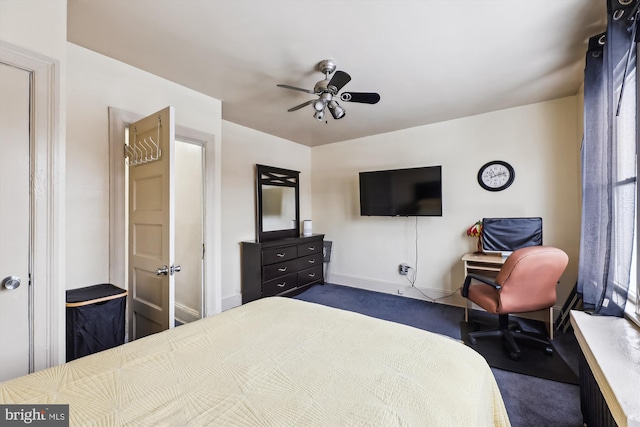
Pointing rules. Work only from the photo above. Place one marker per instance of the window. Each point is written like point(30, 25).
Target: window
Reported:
point(632, 309)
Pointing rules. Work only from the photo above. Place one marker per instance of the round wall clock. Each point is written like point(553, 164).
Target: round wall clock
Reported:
point(496, 175)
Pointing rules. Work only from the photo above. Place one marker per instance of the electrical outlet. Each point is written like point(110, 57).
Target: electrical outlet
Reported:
point(403, 269)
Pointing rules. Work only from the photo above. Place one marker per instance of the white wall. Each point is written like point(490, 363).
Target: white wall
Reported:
point(96, 82)
point(540, 141)
point(38, 25)
point(242, 149)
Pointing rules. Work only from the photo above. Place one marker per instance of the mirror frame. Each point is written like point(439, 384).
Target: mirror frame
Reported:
point(269, 175)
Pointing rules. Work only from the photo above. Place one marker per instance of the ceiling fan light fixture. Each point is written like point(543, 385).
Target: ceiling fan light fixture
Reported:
point(328, 88)
point(336, 110)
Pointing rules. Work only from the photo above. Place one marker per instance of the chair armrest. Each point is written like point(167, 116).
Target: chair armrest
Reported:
point(479, 278)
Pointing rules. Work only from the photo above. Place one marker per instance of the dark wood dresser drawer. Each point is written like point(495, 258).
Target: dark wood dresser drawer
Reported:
point(310, 248)
point(281, 267)
point(272, 271)
point(279, 285)
point(310, 275)
point(274, 255)
point(310, 261)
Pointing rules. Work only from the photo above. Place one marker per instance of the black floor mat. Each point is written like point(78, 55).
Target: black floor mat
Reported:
point(533, 361)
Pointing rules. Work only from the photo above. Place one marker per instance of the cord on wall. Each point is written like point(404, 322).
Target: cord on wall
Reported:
point(412, 280)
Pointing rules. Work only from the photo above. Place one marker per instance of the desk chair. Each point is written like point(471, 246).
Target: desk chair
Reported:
point(526, 282)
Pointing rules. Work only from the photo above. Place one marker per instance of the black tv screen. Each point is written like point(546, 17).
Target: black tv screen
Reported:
point(402, 192)
point(508, 234)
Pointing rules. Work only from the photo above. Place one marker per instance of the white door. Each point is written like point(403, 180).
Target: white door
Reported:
point(151, 224)
point(15, 223)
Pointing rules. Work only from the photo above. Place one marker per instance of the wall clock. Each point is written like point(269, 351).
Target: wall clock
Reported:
point(496, 175)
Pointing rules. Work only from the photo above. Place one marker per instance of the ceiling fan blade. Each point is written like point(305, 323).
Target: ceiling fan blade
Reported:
point(296, 88)
point(297, 107)
point(363, 97)
point(339, 79)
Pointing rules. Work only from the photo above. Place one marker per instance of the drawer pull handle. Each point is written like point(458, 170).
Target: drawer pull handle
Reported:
point(282, 285)
point(312, 261)
point(280, 255)
point(282, 269)
point(311, 248)
point(312, 274)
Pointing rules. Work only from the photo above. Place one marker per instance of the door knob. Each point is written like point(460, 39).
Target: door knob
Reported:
point(11, 282)
point(175, 269)
point(162, 270)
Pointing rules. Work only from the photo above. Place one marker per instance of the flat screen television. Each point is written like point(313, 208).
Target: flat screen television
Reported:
point(505, 235)
point(402, 192)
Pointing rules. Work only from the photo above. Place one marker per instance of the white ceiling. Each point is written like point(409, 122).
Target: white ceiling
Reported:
point(430, 60)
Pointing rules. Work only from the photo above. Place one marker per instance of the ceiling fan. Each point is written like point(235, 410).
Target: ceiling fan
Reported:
point(327, 90)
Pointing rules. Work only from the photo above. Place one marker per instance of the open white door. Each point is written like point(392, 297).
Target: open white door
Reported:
point(150, 155)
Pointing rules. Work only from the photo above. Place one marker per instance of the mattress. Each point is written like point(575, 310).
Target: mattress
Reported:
point(274, 362)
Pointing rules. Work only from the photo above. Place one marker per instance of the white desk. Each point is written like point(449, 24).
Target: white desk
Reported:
point(489, 266)
point(486, 265)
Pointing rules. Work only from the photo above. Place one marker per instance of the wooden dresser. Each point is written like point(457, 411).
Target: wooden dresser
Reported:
point(281, 266)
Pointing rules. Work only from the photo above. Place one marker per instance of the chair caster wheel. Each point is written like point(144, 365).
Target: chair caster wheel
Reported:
point(472, 340)
point(514, 355)
point(548, 351)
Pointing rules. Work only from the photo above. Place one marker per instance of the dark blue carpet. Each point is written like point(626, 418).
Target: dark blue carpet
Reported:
point(530, 401)
point(439, 318)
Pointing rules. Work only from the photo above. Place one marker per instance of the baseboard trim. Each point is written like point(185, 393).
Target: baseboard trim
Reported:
point(404, 290)
point(435, 295)
point(231, 302)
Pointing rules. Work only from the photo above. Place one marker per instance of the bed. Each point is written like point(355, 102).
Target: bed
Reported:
point(275, 361)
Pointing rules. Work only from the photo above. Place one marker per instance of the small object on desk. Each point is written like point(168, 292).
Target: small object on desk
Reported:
point(476, 231)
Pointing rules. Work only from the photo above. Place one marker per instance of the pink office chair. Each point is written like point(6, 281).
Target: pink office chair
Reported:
point(526, 282)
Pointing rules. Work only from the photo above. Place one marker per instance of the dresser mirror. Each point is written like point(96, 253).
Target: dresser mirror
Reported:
point(278, 207)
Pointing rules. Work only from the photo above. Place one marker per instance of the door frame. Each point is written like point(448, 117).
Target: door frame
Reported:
point(47, 206)
point(119, 119)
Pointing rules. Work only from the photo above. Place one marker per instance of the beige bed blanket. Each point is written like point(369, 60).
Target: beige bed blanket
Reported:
point(275, 362)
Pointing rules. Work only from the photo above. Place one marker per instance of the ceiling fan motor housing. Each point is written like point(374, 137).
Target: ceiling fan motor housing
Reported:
point(321, 86)
point(327, 66)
